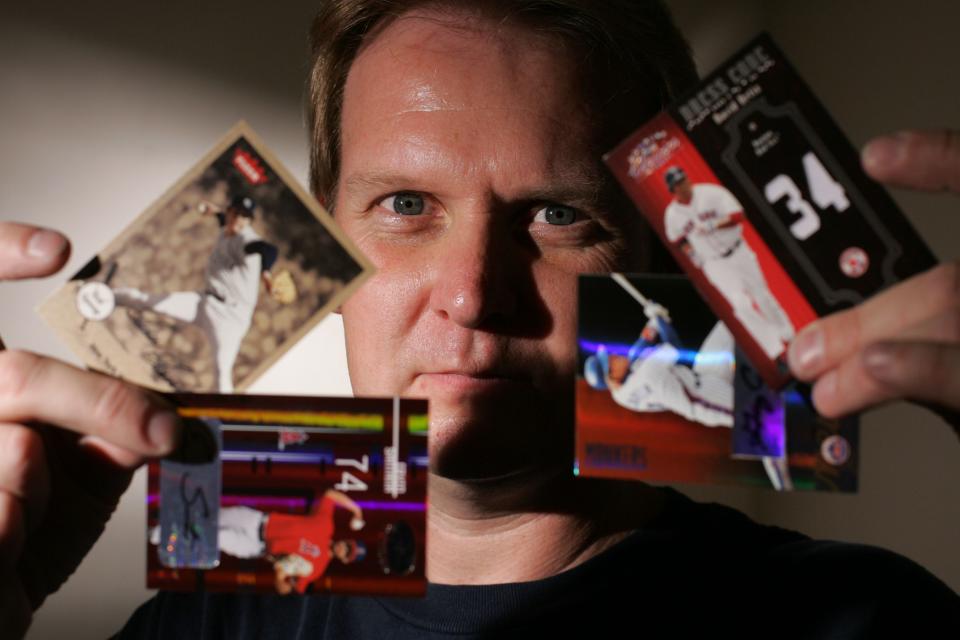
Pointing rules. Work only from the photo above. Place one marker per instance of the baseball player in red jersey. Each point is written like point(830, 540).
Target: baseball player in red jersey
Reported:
point(300, 546)
point(705, 221)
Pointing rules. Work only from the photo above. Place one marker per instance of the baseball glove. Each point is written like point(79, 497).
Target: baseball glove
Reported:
point(282, 287)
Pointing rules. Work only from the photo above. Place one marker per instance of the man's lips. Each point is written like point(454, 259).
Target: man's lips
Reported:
point(459, 382)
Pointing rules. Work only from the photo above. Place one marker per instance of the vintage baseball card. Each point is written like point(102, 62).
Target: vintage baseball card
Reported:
point(291, 495)
point(763, 202)
point(662, 397)
point(214, 282)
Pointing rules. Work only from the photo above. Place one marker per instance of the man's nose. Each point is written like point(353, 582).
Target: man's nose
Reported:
point(476, 280)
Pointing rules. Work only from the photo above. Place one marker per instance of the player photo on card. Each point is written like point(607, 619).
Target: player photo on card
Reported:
point(291, 495)
point(762, 201)
point(657, 396)
point(216, 280)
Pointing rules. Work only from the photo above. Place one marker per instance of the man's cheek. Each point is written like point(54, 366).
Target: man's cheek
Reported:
point(560, 296)
point(378, 321)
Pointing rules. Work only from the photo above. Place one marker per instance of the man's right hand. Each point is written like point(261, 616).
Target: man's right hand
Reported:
point(69, 443)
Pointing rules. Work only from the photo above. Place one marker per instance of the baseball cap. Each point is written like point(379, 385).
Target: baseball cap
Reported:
point(244, 205)
point(595, 369)
point(674, 176)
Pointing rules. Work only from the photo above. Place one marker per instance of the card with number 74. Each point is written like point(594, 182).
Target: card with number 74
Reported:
point(291, 495)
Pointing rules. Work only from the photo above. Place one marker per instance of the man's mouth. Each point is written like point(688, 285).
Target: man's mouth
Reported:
point(455, 382)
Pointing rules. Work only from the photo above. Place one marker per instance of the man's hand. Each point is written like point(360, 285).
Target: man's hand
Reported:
point(903, 343)
point(69, 442)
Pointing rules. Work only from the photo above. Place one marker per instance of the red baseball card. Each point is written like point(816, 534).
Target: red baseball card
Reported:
point(291, 495)
point(662, 397)
point(762, 201)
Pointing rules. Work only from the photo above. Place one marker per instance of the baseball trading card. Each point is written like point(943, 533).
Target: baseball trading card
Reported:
point(214, 282)
point(821, 452)
point(764, 204)
point(657, 396)
point(759, 420)
point(291, 495)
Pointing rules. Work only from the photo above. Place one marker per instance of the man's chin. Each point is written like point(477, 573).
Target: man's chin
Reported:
point(492, 442)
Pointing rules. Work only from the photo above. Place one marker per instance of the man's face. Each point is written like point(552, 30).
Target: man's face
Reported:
point(619, 368)
point(683, 190)
point(235, 222)
point(341, 551)
point(470, 178)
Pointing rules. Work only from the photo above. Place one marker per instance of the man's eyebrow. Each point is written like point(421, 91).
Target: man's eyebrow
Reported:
point(375, 180)
point(582, 188)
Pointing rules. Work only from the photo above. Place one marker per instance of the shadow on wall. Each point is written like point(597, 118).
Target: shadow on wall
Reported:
point(218, 40)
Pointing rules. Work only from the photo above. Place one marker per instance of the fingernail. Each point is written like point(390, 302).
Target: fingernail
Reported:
point(46, 244)
point(884, 153)
point(806, 351)
point(879, 361)
point(162, 430)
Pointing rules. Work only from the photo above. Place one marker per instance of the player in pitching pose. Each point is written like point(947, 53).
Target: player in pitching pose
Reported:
point(223, 310)
point(300, 546)
point(705, 221)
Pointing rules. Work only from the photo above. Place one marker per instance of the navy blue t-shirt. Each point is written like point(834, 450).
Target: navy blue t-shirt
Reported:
point(699, 569)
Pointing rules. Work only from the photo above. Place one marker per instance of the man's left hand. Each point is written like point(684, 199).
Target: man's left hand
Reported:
point(903, 343)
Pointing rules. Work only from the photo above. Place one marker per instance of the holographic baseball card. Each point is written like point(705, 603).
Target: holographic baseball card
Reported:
point(662, 397)
point(763, 202)
point(214, 282)
point(291, 495)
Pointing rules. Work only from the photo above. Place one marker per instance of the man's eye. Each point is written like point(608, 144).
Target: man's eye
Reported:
point(406, 204)
point(556, 214)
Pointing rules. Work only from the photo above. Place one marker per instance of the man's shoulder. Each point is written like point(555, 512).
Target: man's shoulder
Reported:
point(727, 562)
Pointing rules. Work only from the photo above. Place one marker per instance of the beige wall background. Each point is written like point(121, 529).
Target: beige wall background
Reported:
point(103, 104)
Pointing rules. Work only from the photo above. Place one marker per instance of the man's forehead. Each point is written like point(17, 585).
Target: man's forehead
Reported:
point(439, 97)
point(407, 53)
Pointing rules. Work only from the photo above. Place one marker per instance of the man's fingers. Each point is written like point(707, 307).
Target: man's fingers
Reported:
point(30, 252)
point(916, 159)
point(33, 388)
point(12, 529)
point(889, 315)
point(920, 371)
point(23, 470)
point(944, 328)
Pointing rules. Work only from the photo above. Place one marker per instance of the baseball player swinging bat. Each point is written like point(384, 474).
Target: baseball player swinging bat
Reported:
point(657, 381)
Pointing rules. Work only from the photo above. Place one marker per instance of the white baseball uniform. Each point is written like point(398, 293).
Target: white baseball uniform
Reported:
point(224, 309)
point(702, 393)
point(728, 263)
point(239, 532)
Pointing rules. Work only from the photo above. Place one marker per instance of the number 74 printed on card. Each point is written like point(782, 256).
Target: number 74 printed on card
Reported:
point(291, 495)
point(762, 201)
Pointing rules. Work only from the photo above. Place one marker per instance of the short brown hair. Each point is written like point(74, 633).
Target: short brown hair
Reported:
point(636, 57)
